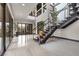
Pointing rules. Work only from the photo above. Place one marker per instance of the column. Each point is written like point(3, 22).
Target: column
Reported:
point(42, 8)
point(36, 19)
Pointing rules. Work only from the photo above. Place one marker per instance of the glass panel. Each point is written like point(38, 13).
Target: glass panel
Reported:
point(7, 34)
point(23, 29)
point(62, 12)
point(1, 29)
point(9, 27)
point(1, 46)
point(19, 29)
point(29, 28)
point(26, 29)
point(23, 34)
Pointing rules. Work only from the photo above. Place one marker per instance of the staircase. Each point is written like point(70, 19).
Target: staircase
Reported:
point(48, 34)
point(74, 16)
point(51, 29)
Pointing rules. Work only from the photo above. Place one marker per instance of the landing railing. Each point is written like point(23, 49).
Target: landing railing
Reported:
point(71, 17)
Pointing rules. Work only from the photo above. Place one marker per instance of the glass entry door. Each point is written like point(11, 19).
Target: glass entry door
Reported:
point(8, 27)
point(24, 29)
point(23, 32)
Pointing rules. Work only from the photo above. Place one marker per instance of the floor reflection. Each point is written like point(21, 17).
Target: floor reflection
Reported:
point(22, 40)
point(0, 45)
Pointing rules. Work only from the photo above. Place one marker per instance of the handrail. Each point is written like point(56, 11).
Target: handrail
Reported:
point(44, 24)
point(69, 19)
point(51, 12)
point(41, 8)
point(68, 22)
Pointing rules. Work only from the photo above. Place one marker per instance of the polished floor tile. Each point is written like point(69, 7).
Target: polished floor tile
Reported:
point(53, 47)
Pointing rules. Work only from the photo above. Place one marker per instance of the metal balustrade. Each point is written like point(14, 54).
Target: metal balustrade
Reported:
point(67, 20)
point(69, 16)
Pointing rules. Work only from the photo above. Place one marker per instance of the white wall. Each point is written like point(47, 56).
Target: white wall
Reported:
point(72, 31)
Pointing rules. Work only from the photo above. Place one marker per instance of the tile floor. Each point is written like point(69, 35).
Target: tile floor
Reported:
point(53, 47)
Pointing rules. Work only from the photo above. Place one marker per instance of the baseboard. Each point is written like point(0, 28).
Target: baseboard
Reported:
point(64, 38)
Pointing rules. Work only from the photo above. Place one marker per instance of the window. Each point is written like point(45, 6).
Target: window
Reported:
point(39, 10)
point(39, 5)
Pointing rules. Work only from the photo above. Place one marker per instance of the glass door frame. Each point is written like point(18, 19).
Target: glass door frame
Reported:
point(3, 28)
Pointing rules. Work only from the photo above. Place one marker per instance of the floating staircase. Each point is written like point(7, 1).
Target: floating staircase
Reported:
point(51, 29)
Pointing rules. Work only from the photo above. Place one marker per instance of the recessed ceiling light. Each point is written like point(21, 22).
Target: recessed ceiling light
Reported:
point(23, 4)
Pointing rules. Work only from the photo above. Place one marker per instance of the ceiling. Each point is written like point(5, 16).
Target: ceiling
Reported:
point(21, 11)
